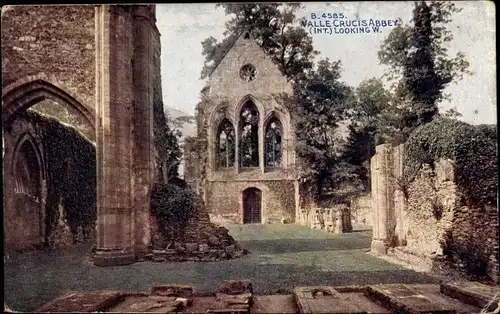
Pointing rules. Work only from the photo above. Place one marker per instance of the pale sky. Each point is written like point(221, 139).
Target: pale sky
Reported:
point(184, 26)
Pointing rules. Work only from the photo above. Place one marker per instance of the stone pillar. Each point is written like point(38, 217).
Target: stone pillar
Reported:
point(237, 146)
point(142, 137)
point(261, 145)
point(114, 121)
point(399, 198)
point(382, 197)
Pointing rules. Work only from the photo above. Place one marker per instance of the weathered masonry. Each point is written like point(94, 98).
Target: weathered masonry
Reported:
point(242, 157)
point(103, 62)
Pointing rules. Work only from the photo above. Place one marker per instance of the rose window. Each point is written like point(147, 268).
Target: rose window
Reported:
point(248, 72)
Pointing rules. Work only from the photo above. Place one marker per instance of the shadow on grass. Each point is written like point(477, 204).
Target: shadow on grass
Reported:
point(28, 288)
point(281, 246)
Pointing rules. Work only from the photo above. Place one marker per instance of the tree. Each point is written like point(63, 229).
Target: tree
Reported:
point(166, 141)
point(452, 113)
point(418, 61)
point(318, 104)
point(368, 123)
point(272, 26)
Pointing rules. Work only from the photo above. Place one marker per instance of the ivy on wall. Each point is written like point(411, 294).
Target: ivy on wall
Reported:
point(472, 149)
point(70, 160)
point(173, 205)
point(284, 192)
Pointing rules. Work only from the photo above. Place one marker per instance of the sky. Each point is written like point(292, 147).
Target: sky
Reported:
point(184, 26)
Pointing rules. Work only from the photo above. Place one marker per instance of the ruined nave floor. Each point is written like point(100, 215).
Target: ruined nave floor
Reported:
point(282, 257)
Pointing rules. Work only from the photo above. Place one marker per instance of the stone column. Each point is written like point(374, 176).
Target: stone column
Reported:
point(399, 198)
point(261, 144)
point(142, 147)
point(114, 110)
point(237, 146)
point(382, 197)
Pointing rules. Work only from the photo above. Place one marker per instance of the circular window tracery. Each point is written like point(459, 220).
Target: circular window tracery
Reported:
point(248, 72)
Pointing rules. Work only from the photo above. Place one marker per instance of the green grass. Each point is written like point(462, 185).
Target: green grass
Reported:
point(282, 257)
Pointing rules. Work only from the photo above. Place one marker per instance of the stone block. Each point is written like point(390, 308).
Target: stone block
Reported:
point(444, 169)
point(173, 290)
point(83, 302)
point(324, 299)
point(473, 293)
point(404, 299)
point(233, 287)
point(191, 247)
point(230, 249)
point(213, 240)
point(203, 248)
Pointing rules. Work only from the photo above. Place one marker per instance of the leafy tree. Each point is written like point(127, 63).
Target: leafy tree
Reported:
point(318, 104)
point(452, 113)
point(273, 27)
point(368, 123)
point(167, 143)
point(173, 205)
point(417, 56)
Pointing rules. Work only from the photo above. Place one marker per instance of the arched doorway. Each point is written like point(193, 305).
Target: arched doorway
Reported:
point(59, 126)
point(27, 194)
point(252, 205)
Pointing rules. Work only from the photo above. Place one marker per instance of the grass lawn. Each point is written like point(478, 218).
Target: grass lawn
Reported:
point(282, 257)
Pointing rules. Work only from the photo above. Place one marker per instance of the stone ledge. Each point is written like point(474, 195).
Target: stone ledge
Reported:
point(83, 302)
point(404, 299)
point(473, 293)
point(236, 296)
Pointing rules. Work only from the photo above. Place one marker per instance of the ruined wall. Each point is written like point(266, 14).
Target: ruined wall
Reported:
point(224, 201)
point(438, 219)
point(55, 40)
point(226, 83)
point(361, 209)
point(24, 213)
point(224, 97)
point(334, 219)
point(430, 216)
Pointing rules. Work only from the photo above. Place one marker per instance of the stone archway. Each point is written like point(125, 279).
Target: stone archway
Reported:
point(25, 159)
point(26, 213)
point(31, 90)
point(252, 206)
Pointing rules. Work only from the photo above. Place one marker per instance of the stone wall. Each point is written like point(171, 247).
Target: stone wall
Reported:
point(224, 200)
point(336, 219)
point(55, 40)
point(223, 98)
point(23, 212)
point(200, 240)
point(361, 209)
point(429, 218)
point(26, 214)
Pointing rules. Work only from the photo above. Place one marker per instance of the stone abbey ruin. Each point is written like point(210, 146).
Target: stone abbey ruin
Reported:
point(81, 106)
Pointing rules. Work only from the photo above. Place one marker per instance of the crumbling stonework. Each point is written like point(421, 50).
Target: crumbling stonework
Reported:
point(361, 209)
point(429, 216)
point(336, 219)
point(223, 188)
point(102, 61)
point(200, 240)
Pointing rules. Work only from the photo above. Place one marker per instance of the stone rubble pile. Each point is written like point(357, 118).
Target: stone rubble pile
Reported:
point(234, 296)
point(201, 241)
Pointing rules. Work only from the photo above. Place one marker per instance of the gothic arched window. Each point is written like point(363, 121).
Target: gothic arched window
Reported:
point(273, 144)
point(27, 171)
point(249, 135)
point(225, 144)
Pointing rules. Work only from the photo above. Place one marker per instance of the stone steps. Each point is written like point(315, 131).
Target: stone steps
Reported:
point(236, 296)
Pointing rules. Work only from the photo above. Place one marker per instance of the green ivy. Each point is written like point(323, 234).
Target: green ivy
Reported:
point(472, 149)
point(173, 205)
point(70, 160)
